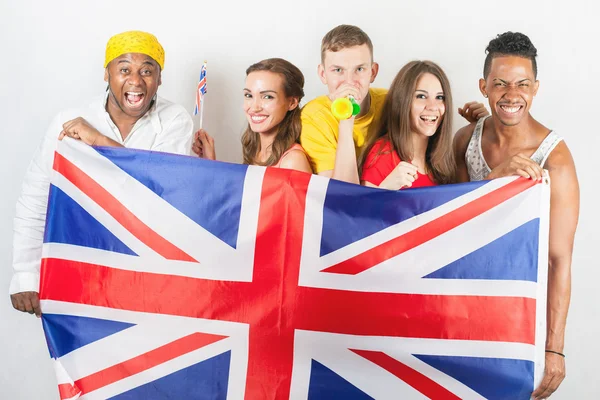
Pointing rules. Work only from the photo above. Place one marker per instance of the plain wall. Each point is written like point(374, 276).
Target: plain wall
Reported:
point(52, 54)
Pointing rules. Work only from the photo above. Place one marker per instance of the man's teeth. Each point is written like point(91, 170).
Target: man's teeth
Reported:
point(134, 97)
point(511, 109)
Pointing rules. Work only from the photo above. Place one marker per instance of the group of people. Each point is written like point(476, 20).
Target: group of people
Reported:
point(401, 138)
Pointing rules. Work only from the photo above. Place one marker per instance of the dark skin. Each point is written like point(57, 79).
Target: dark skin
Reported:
point(132, 76)
point(510, 137)
point(133, 79)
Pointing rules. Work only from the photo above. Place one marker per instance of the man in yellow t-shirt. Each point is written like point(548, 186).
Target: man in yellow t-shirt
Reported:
point(320, 129)
point(347, 68)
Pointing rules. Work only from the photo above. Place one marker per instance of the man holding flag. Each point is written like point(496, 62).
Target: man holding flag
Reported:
point(130, 114)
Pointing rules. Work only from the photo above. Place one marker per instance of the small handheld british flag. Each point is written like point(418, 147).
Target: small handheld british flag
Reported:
point(200, 93)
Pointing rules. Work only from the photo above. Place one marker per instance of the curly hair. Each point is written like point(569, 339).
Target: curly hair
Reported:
point(510, 44)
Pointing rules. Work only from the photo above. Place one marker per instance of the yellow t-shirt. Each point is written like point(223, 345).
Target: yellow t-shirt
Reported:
point(319, 135)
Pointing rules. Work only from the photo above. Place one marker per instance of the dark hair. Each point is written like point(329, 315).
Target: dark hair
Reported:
point(510, 44)
point(395, 123)
point(288, 131)
point(344, 36)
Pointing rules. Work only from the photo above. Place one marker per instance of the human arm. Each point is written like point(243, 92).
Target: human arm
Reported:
point(564, 215)
point(345, 166)
point(29, 223)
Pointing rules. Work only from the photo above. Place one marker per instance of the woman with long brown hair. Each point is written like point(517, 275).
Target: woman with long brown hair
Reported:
point(272, 94)
point(411, 146)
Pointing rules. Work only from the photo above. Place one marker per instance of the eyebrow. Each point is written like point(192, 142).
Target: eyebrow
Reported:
point(147, 62)
point(503, 81)
point(425, 91)
point(264, 91)
point(357, 66)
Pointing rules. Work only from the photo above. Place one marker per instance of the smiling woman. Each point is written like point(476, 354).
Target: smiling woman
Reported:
point(411, 146)
point(272, 94)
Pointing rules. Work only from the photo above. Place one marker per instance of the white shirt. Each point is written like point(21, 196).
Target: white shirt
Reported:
point(165, 127)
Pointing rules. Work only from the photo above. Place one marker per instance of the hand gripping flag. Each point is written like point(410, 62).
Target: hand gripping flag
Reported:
point(172, 277)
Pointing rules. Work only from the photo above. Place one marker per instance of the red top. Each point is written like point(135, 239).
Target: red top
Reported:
point(378, 166)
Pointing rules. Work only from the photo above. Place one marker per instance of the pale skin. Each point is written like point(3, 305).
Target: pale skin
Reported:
point(128, 73)
point(350, 72)
point(265, 105)
point(426, 114)
point(510, 138)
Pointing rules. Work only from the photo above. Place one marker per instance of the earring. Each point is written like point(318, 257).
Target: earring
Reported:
point(485, 95)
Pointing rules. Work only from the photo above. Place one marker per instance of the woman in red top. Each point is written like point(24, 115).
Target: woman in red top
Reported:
point(411, 146)
point(274, 88)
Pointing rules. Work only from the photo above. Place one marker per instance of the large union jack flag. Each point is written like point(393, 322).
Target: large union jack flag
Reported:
point(172, 277)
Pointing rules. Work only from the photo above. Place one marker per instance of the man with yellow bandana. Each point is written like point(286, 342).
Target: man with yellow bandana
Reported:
point(130, 114)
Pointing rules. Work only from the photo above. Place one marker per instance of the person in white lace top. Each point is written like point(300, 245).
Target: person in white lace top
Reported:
point(512, 142)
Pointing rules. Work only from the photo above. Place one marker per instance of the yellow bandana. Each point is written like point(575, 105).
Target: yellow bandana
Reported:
point(134, 42)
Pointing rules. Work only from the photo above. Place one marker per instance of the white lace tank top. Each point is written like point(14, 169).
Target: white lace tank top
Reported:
point(478, 168)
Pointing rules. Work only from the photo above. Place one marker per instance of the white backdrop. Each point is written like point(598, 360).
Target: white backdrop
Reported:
point(52, 54)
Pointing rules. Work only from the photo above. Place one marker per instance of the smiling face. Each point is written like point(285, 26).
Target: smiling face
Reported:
point(133, 79)
point(428, 106)
point(510, 87)
point(351, 65)
point(265, 101)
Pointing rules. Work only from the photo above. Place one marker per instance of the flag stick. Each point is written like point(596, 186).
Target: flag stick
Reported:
point(201, 105)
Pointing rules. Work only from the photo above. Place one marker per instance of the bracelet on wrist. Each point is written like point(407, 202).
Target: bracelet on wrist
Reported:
point(555, 352)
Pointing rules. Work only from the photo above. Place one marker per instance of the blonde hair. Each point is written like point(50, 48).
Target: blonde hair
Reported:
point(344, 36)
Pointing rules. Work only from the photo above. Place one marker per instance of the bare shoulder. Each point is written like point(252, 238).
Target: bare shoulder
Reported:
point(296, 159)
point(560, 159)
point(462, 137)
